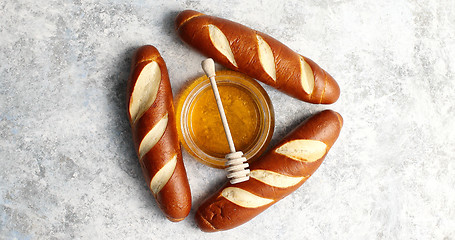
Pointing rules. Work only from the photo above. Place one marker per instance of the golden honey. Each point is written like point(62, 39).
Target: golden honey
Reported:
point(242, 113)
point(249, 113)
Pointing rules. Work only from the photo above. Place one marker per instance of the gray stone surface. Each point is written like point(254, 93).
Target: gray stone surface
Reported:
point(67, 164)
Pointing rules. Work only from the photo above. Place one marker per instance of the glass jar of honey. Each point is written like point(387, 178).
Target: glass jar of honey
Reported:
point(249, 113)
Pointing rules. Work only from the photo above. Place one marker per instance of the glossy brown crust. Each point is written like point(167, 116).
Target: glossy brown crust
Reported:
point(192, 29)
point(174, 198)
point(217, 213)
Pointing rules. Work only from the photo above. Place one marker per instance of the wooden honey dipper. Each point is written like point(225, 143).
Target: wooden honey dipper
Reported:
point(236, 164)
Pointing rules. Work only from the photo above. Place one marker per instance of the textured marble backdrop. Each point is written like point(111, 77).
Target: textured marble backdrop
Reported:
point(67, 164)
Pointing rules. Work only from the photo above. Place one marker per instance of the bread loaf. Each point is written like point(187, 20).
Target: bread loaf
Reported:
point(258, 55)
point(274, 176)
point(151, 115)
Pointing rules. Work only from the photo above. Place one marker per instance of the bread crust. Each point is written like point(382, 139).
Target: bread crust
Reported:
point(192, 27)
point(218, 213)
point(174, 198)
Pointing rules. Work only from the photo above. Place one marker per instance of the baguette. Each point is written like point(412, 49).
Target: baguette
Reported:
point(151, 115)
point(274, 176)
point(258, 55)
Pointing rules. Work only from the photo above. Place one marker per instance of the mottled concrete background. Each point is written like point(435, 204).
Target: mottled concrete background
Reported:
point(67, 164)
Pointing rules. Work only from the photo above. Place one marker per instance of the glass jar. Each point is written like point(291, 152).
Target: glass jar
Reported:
point(248, 109)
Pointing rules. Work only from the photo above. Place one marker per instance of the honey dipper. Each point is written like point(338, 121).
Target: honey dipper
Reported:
point(236, 165)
